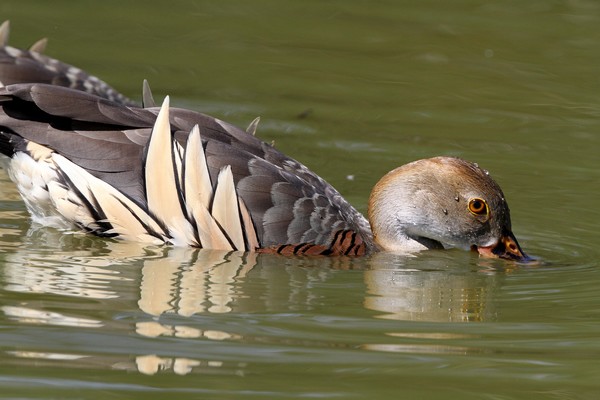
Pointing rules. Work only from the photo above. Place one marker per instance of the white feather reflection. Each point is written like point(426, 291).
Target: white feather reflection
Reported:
point(202, 285)
point(170, 281)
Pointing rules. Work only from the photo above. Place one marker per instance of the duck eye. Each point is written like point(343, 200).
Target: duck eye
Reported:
point(478, 207)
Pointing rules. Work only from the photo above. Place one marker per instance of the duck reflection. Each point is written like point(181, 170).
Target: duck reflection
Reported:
point(173, 288)
point(204, 282)
point(414, 290)
point(169, 281)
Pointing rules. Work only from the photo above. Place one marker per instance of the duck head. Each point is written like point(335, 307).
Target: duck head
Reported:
point(442, 202)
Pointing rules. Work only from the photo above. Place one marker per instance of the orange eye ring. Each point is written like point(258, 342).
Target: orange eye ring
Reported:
point(478, 206)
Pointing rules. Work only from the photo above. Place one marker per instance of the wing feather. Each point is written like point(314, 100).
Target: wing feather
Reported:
point(249, 229)
point(198, 194)
point(197, 183)
point(126, 217)
point(161, 177)
point(225, 208)
point(123, 147)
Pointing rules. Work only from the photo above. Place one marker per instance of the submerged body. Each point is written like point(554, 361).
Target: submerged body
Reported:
point(169, 175)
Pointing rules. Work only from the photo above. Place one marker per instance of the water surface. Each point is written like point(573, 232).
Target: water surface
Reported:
point(351, 89)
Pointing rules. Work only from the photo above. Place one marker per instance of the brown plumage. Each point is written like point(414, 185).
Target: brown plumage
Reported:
point(83, 154)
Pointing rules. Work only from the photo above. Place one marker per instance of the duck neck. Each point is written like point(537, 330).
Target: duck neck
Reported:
point(391, 215)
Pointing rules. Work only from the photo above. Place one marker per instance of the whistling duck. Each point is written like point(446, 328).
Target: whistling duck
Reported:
point(83, 155)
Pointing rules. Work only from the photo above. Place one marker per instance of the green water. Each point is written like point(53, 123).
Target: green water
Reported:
point(352, 89)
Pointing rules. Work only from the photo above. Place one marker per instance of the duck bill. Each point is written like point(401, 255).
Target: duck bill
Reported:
point(507, 248)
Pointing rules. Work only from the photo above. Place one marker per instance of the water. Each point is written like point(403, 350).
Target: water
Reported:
point(352, 89)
